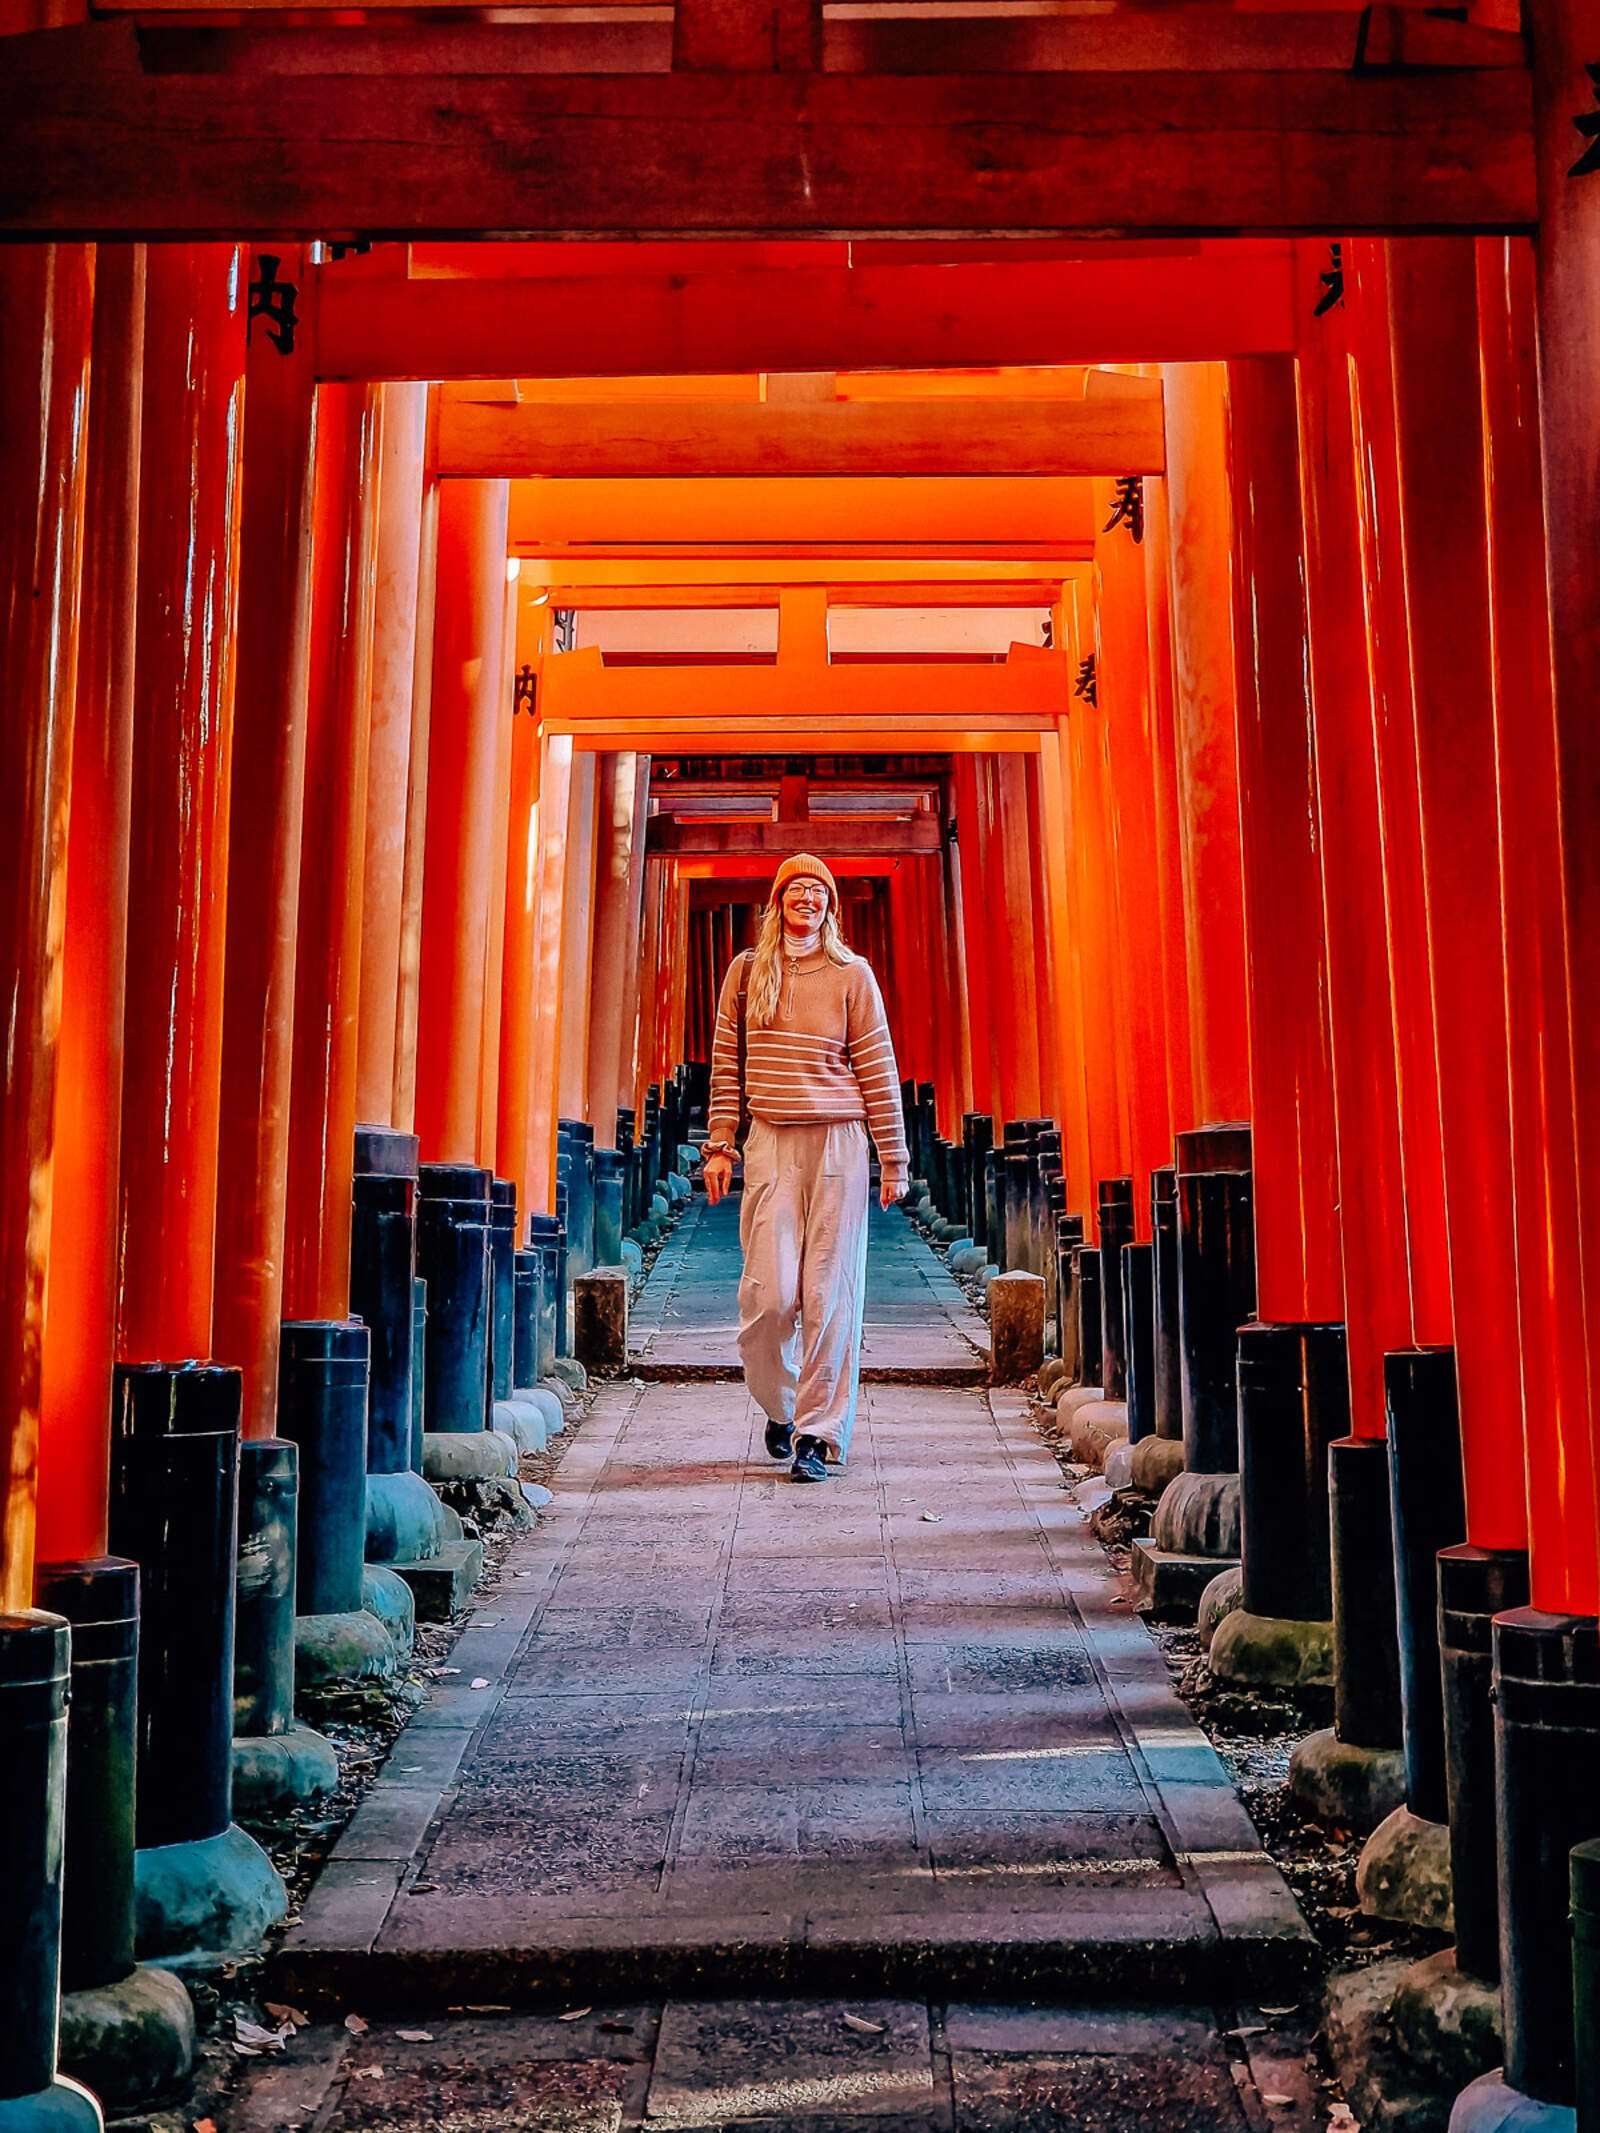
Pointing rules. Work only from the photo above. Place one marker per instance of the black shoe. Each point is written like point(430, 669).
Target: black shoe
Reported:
point(780, 1439)
point(810, 1460)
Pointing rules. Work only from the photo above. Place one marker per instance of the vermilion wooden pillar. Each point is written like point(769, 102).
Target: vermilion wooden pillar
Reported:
point(412, 882)
point(1167, 819)
point(182, 766)
point(81, 1289)
point(1377, 476)
point(1071, 1091)
point(1562, 1508)
point(1294, 1157)
point(1434, 338)
point(1122, 674)
point(627, 1060)
point(613, 980)
point(519, 947)
point(555, 782)
point(970, 835)
point(46, 304)
point(1208, 798)
point(466, 707)
point(1015, 944)
point(1106, 1067)
point(1349, 839)
point(577, 937)
point(389, 766)
point(494, 944)
point(264, 840)
point(328, 968)
point(1568, 260)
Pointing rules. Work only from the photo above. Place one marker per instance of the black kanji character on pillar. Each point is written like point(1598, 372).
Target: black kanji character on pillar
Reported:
point(1128, 509)
point(274, 301)
point(1332, 281)
point(1087, 686)
point(1588, 124)
point(525, 691)
point(348, 247)
point(564, 633)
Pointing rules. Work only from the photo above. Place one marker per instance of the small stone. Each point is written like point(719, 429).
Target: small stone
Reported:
point(1016, 1327)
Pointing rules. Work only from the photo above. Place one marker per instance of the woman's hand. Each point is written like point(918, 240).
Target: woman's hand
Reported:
point(890, 1189)
point(717, 1176)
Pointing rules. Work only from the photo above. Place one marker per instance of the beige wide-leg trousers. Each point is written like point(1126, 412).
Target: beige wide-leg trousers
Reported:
point(803, 1227)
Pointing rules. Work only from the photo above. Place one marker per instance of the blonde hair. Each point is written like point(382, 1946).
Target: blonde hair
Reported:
point(766, 962)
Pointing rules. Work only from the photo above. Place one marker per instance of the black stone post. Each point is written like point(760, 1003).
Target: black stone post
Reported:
point(263, 1654)
point(383, 1261)
point(1090, 1361)
point(1294, 1399)
point(1547, 1773)
point(1428, 1512)
point(575, 1137)
point(608, 1185)
point(1138, 1304)
point(322, 1408)
point(1475, 1585)
point(525, 1357)
point(629, 1153)
point(978, 1131)
point(503, 1286)
point(174, 1511)
point(419, 1368)
point(100, 1600)
point(1116, 1230)
point(545, 1233)
point(34, 1656)
point(926, 1129)
point(453, 1258)
point(1586, 1982)
point(1069, 1241)
point(994, 1171)
point(1017, 1160)
point(1216, 1289)
point(1366, 1648)
point(1168, 1389)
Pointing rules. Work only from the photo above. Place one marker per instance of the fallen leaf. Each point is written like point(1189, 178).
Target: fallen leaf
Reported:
point(205, 2125)
point(253, 2037)
point(447, 1670)
point(1279, 2101)
point(480, 1681)
point(574, 2014)
point(932, 1518)
point(618, 2029)
point(356, 2024)
point(415, 2036)
point(423, 1888)
point(1248, 2029)
point(366, 2073)
point(860, 2022)
point(1281, 2010)
point(296, 2017)
point(486, 2007)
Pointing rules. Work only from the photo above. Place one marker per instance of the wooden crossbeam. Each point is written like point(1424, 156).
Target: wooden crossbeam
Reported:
point(1112, 310)
point(827, 438)
point(845, 518)
point(91, 145)
point(823, 835)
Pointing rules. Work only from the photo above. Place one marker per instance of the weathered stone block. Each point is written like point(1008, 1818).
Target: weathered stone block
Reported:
point(1404, 1875)
point(600, 1320)
point(1272, 1652)
point(1016, 1327)
point(1345, 1786)
point(1157, 1463)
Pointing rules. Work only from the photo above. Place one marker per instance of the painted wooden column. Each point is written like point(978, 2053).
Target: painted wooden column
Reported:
point(1566, 48)
point(1015, 915)
point(1123, 684)
point(1350, 848)
point(1562, 1510)
point(1071, 1090)
point(46, 327)
point(627, 1058)
point(519, 942)
point(555, 785)
point(81, 1290)
point(1167, 817)
point(979, 962)
point(264, 837)
point(1293, 1378)
point(389, 764)
point(577, 935)
point(1377, 477)
point(183, 747)
point(499, 846)
point(1208, 799)
point(613, 982)
point(1439, 431)
point(466, 709)
point(413, 879)
point(328, 967)
point(1110, 1140)
point(1291, 1069)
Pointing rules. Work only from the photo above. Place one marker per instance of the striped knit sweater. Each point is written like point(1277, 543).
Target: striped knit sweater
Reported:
point(826, 1056)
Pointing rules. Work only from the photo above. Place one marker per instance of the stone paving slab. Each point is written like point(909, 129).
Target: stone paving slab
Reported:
point(918, 1325)
point(819, 2065)
point(715, 1732)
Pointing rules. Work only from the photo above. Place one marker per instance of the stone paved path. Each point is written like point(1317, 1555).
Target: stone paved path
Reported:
point(918, 1323)
point(719, 1733)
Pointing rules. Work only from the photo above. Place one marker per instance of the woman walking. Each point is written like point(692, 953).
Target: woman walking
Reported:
point(801, 1038)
